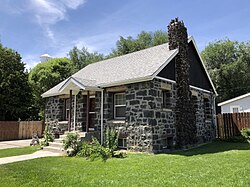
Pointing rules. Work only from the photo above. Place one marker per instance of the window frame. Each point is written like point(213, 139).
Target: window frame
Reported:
point(115, 106)
point(164, 105)
point(234, 107)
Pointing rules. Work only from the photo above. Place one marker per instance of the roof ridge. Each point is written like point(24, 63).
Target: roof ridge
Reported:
point(128, 54)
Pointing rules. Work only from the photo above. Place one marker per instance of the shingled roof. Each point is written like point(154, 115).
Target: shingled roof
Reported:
point(130, 68)
point(134, 67)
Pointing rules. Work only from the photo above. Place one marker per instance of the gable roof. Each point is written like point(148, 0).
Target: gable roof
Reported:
point(234, 99)
point(133, 67)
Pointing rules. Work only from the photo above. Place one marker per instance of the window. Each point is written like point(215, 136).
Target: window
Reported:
point(235, 109)
point(166, 94)
point(119, 106)
point(66, 109)
point(207, 109)
point(122, 143)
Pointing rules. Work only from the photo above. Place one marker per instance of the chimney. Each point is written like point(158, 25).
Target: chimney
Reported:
point(185, 120)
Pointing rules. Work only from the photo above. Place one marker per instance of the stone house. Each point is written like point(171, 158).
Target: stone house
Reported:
point(137, 94)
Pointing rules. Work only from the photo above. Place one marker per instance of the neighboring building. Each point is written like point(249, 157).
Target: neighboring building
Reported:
point(237, 104)
point(135, 93)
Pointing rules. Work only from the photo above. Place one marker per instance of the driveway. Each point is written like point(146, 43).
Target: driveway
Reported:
point(14, 143)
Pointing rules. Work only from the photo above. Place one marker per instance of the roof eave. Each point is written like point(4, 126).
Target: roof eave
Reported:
point(234, 99)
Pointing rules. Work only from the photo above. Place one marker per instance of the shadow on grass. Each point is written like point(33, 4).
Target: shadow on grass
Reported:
point(214, 147)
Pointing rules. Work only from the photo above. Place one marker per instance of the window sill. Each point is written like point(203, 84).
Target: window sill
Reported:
point(116, 121)
point(167, 110)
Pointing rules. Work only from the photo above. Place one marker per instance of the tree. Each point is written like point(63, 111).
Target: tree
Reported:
point(15, 92)
point(142, 41)
point(46, 75)
point(228, 63)
point(81, 58)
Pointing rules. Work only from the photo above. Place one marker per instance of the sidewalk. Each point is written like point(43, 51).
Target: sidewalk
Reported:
point(38, 154)
point(14, 143)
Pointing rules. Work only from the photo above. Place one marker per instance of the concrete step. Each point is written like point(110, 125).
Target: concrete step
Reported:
point(60, 140)
point(54, 150)
point(81, 134)
point(56, 144)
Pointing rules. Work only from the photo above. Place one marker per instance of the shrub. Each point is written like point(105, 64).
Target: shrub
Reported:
point(94, 150)
point(246, 134)
point(72, 144)
point(111, 140)
point(47, 136)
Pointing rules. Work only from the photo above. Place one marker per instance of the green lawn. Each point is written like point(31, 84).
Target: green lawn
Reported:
point(18, 151)
point(215, 164)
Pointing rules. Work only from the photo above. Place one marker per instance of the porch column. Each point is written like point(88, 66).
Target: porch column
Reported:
point(87, 111)
point(75, 114)
point(70, 109)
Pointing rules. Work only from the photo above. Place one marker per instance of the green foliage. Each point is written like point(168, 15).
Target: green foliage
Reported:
point(46, 75)
point(15, 91)
point(111, 140)
point(246, 134)
point(47, 136)
point(142, 41)
point(82, 58)
point(93, 150)
point(72, 144)
point(228, 65)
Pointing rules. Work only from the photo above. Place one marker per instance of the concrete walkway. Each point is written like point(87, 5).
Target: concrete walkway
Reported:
point(14, 143)
point(38, 154)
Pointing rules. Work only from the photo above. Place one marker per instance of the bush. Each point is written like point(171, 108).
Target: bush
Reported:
point(94, 150)
point(246, 134)
point(47, 136)
point(72, 144)
point(111, 140)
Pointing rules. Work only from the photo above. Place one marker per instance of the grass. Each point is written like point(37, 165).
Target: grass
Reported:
point(18, 151)
point(214, 164)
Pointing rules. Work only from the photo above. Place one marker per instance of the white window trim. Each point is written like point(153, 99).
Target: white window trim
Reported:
point(118, 106)
point(234, 106)
point(123, 143)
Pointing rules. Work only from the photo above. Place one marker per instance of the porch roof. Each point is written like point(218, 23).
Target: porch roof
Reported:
point(72, 83)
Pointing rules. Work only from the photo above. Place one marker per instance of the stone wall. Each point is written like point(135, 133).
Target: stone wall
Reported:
point(54, 108)
point(148, 126)
point(54, 112)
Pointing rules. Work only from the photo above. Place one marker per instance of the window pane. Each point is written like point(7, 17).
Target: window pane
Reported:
point(166, 99)
point(120, 99)
point(120, 111)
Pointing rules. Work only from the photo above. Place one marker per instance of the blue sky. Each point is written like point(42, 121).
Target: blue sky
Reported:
point(35, 27)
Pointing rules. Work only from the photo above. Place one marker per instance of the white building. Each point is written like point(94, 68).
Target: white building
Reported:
point(45, 57)
point(237, 104)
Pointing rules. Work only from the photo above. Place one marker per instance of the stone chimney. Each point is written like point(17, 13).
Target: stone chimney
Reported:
point(185, 117)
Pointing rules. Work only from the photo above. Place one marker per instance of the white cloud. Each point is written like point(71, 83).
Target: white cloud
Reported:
point(48, 12)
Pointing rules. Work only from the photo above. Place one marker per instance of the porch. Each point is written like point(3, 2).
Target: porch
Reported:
point(74, 109)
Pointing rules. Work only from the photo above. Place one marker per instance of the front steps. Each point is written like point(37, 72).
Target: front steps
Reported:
point(57, 145)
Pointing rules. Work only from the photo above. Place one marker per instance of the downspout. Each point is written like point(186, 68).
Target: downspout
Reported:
point(75, 114)
point(102, 117)
point(214, 115)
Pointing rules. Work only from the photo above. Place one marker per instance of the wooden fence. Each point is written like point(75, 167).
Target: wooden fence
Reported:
point(13, 130)
point(230, 124)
